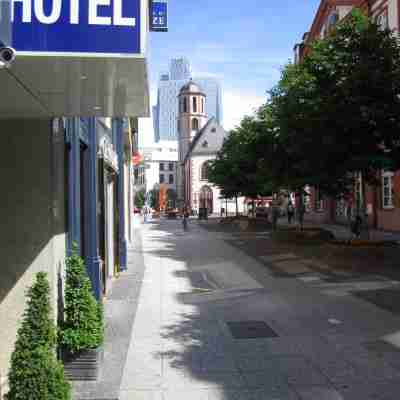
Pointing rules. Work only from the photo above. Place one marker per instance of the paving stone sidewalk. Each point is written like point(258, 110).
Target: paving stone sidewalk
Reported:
point(342, 232)
point(119, 313)
point(213, 323)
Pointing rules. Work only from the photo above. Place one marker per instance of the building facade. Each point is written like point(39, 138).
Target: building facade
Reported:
point(66, 158)
point(179, 69)
point(382, 202)
point(160, 166)
point(165, 113)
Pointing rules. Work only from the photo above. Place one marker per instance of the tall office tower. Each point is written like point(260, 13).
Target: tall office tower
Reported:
point(155, 123)
point(179, 69)
point(212, 89)
point(165, 113)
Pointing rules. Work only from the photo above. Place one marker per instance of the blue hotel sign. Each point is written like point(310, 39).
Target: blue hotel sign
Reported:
point(159, 15)
point(77, 26)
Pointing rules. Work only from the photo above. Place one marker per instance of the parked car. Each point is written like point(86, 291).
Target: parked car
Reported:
point(136, 210)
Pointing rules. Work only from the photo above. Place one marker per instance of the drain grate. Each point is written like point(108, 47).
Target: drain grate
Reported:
point(250, 330)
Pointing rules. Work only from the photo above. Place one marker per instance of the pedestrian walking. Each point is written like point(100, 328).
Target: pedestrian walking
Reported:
point(275, 213)
point(356, 226)
point(185, 219)
point(301, 210)
point(290, 212)
point(145, 213)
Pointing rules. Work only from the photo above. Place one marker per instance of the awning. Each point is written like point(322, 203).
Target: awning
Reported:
point(76, 65)
point(74, 86)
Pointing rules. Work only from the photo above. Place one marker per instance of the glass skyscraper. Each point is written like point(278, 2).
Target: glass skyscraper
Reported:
point(165, 113)
point(179, 69)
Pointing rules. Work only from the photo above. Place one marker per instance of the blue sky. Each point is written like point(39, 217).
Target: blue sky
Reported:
point(243, 43)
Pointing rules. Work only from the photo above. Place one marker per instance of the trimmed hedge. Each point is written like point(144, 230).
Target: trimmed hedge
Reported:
point(82, 328)
point(35, 372)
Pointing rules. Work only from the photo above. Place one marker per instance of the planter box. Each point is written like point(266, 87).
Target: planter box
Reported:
point(83, 366)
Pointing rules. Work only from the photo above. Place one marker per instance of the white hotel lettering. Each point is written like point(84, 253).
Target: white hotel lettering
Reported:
point(117, 19)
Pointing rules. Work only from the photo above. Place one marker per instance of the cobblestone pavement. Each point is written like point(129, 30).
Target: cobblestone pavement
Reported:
point(216, 323)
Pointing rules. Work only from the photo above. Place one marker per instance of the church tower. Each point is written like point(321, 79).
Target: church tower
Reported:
point(191, 118)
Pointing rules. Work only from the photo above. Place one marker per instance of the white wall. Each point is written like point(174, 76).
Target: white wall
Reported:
point(196, 163)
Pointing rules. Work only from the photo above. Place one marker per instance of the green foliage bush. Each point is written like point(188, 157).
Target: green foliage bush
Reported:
point(140, 198)
point(82, 328)
point(35, 372)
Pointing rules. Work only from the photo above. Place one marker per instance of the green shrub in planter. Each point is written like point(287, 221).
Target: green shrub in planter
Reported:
point(35, 372)
point(82, 328)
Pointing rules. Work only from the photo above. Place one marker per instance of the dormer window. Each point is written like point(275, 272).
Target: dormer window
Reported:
point(213, 130)
point(205, 143)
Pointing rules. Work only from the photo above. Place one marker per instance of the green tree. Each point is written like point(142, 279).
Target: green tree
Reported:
point(35, 372)
point(155, 199)
point(82, 327)
point(236, 169)
point(140, 198)
point(337, 112)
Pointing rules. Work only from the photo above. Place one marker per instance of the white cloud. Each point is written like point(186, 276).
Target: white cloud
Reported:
point(237, 105)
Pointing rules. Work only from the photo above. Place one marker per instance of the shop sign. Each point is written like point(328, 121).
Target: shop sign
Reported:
point(136, 158)
point(77, 26)
point(159, 15)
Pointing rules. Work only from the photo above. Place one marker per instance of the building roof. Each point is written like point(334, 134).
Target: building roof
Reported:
point(208, 139)
point(191, 87)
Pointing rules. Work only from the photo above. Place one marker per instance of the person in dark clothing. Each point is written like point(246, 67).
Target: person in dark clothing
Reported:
point(290, 212)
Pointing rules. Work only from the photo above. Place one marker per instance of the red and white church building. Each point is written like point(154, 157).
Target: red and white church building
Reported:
point(200, 139)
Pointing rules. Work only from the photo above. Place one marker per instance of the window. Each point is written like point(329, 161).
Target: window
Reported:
point(162, 178)
point(185, 105)
point(194, 104)
point(383, 20)
point(213, 130)
point(205, 144)
point(387, 189)
point(319, 203)
point(204, 171)
point(171, 179)
point(171, 166)
point(195, 124)
point(332, 20)
point(161, 166)
point(341, 208)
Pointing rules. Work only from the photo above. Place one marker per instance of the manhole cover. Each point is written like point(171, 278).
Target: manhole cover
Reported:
point(250, 330)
